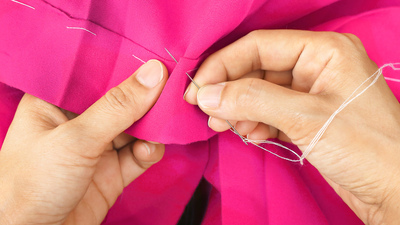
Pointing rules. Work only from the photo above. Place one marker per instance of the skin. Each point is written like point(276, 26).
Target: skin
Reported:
point(60, 168)
point(286, 84)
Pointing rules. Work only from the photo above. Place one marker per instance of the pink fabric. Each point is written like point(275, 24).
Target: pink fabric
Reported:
point(73, 68)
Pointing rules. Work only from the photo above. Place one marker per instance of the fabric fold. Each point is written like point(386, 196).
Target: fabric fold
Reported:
point(70, 53)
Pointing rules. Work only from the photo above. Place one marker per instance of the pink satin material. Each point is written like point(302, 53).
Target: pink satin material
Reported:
point(73, 68)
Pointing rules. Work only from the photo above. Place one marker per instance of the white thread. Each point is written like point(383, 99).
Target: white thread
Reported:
point(23, 4)
point(318, 136)
point(392, 79)
point(256, 142)
point(351, 98)
point(81, 28)
point(141, 60)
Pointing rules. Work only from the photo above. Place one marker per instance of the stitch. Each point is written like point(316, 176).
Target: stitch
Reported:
point(103, 27)
point(81, 28)
point(23, 4)
point(392, 79)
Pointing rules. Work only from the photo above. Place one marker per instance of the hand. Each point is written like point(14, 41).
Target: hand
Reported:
point(59, 171)
point(286, 84)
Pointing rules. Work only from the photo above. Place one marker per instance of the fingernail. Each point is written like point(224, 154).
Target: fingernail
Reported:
point(209, 120)
point(149, 147)
point(210, 96)
point(248, 137)
point(150, 74)
point(184, 95)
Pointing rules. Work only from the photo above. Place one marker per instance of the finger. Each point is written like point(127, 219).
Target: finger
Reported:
point(260, 101)
point(255, 74)
point(280, 78)
point(218, 125)
point(282, 136)
point(262, 132)
point(122, 140)
point(136, 158)
point(68, 114)
point(270, 50)
point(120, 107)
point(245, 127)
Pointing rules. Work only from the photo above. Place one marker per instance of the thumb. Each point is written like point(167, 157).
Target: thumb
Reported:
point(119, 108)
point(261, 101)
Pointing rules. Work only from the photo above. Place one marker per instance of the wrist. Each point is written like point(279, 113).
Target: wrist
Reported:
point(386, 209)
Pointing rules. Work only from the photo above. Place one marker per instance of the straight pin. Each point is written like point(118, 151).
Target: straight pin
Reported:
point(23, 4)
point(141, 60)
point(81, 28)
point(198, 87)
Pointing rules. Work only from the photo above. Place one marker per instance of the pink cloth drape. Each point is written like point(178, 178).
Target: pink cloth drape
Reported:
point(72, 68)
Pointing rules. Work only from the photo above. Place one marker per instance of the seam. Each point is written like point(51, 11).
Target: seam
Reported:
point(103, 27)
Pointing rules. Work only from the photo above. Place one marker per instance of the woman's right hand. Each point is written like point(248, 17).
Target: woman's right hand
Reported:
point(286, 84)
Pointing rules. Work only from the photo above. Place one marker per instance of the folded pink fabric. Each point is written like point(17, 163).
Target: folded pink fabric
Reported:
point(44, 52)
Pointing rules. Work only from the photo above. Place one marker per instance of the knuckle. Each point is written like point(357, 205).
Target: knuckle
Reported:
point(336, 42)
point(357, 43)
point(248, 97)
point(303, 124)
point(343, 45)
point(354, 41)
point(119, 98)
point(116, 98)
point(353, 38)
point(296, 125)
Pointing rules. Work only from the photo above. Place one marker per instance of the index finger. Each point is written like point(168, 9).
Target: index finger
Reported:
point(270, 50)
